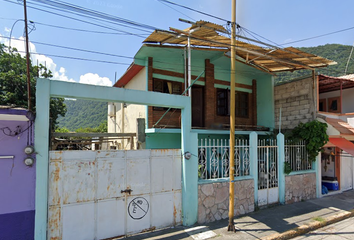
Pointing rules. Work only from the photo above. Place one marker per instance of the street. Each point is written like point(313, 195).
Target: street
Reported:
point(341, 230)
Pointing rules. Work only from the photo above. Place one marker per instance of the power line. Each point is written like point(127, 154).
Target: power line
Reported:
point(177, 10)
point(322, 35)
point(61, 5)
point(80, 20)
point(194, 10)
point(82, 30)
point(72, 48)
point(76, 58)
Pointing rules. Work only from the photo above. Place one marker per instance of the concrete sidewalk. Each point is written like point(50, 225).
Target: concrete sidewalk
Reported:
point(278, 222)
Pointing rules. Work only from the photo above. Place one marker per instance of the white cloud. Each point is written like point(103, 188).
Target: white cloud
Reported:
point(88, 78)
point(95, 79)
point(7, 29)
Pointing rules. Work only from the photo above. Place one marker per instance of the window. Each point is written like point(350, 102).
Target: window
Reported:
point(322, 105)
point(334, 105)
point(164, 86)
point(241, 103)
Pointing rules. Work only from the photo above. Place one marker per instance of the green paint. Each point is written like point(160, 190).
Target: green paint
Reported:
point(265, 102)
point(42, 157)
point(165, 77)
point(163, 141)
point(281, 174)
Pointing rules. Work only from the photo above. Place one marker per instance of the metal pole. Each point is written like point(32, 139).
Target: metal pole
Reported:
point(231, 226)
point(189, 67)
point(27, 58)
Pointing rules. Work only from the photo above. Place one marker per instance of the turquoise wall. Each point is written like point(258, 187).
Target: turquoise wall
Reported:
point(172, 59)
point(163, 141)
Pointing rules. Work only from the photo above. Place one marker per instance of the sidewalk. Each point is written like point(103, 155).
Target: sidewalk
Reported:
point(279, 222)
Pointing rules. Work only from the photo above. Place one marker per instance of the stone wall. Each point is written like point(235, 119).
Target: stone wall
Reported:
point(296, 100)
point(300, 187)
point(213, 200)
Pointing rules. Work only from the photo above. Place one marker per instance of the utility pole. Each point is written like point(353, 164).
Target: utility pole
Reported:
point(27, 59)
point(231, 226)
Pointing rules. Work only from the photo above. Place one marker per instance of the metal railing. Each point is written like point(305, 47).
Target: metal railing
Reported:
point(296, 155)
point(267, 163)
point(213, 158)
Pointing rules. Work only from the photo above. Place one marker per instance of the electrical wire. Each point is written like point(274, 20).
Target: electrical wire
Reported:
point(64, 6)
point(80, 20)
point(177, 10)
point(83, 30)
point(194, 10)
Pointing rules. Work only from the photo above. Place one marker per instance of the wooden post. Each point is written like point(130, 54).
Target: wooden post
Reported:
point(231, 226)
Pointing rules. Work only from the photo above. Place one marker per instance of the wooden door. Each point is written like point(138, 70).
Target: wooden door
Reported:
point(197, 107)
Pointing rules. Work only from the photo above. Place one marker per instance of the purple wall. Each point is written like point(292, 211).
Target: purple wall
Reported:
point(17, 182)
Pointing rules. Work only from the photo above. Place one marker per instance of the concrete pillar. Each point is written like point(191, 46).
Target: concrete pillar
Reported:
point(281, 174)
point(254, 163)
point(189, 170)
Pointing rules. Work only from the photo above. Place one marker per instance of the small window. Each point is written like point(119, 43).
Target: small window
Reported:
point(164, 86)
point(334, 105)
point(241, 103)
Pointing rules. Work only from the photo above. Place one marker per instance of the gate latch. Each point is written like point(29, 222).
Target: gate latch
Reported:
point(126, 191)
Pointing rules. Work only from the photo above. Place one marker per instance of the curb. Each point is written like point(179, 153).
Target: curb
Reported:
point(310, 226)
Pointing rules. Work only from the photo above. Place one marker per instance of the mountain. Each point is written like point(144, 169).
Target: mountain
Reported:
point(83, 114)
point(335, 52)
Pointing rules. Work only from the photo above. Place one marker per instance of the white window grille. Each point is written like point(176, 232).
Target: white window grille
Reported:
point(296, 155)
point(213, 158)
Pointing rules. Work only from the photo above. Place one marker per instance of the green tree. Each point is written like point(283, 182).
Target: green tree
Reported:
point(13, 83)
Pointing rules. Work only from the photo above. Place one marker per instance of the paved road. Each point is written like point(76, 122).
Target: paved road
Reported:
point(339, 230)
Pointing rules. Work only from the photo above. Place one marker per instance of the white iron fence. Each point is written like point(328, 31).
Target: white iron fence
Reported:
point(267, 164)
point(213, 158)
point(296, 155)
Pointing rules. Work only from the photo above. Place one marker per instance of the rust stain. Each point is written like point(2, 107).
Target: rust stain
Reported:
point(174, 214)
point(108, 187)
point(148, 230)
point(54, 223)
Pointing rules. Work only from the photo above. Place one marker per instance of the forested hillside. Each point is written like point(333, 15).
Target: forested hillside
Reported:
point(336, 52)
point(83, 114)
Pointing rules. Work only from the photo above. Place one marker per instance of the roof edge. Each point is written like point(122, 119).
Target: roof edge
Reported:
point(131, 72)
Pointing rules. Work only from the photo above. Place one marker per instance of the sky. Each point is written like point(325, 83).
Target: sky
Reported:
point(273, 21)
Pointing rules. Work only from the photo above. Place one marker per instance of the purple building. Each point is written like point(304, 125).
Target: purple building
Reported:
point(17, 174)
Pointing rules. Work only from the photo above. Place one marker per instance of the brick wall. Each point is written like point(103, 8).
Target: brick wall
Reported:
point(296, 100)
point(212, 120)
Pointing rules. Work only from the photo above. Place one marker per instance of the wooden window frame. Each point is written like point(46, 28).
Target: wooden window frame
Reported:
point(223, 107)
point(330, 101)
point(176, 88)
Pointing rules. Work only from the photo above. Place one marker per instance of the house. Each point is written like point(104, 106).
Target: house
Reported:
point(330, 100)
point(17, 174)
point(163, 64)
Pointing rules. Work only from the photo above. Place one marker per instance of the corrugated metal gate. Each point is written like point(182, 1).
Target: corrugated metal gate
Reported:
point(104, 194)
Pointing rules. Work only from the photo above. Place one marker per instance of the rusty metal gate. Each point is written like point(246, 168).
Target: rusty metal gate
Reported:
point(105, 194)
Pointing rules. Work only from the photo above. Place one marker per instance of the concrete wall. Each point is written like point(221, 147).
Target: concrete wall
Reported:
point(213, 200)
point(17, 184)
point(296, 101)
point(300, 187)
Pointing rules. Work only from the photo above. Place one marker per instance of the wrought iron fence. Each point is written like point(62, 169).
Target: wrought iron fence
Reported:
point(213, 158)
point(267, 164)
point(296, 156)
